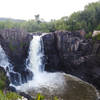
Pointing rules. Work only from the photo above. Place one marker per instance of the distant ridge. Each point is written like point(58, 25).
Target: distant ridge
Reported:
point(11, 19)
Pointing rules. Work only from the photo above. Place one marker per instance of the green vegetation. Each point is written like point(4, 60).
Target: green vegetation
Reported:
point(89, 35)
point(88, 19)
point(40, 97)
point(9, 96)
point(4, 94)
point(15, 96)
point(3, 80)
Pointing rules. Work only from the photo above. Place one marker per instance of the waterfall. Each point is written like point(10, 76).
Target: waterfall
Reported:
point(35, 63)
point(36, 54)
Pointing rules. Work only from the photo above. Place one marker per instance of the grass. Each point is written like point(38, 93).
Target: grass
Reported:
point(40, 97)
point(9, 96)
point(14, 96)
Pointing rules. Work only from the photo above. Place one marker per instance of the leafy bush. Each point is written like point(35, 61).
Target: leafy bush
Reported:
point(89, 35)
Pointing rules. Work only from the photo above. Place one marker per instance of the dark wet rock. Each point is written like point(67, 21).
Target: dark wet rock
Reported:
point(15, 78)
point(52, 57)
point(71, 53)
point(15, 43)
point(12, 89)
point(26, 75)
point(22, 77)
point(26, 96)
point(64, 51)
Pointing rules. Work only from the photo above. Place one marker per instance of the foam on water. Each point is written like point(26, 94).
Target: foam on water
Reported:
point(41, 78)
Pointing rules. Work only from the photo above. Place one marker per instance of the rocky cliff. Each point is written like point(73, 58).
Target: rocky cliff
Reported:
point(15, 43)
point(71, 53)
point(65, 51)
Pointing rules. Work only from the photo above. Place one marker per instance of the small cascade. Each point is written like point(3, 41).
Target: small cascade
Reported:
point(3, 59)
point(14, 77)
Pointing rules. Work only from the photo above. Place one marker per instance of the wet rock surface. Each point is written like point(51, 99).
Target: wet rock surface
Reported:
point(65, 51)
point(16, 43)
point(72, 53)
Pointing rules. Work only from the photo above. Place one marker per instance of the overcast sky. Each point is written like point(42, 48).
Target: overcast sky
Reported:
point(48, 9)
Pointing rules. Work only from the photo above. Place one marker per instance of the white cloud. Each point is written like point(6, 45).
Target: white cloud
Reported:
point(48, 9)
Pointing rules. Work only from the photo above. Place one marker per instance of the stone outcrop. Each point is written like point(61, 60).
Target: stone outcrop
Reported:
point(16, 43)
point(65, 51)
point(71, 53)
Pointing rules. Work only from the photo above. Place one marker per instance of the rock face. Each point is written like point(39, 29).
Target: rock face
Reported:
point(71, 53)
point(64, 51)
point(15, 43)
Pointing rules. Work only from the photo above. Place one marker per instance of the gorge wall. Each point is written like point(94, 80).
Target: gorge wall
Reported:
point(15, 43)
point(65, 51)
point(72, 53)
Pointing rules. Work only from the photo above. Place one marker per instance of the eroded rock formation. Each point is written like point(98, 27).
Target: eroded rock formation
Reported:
point(16, 43)
point(71, 53)
point(68, 52)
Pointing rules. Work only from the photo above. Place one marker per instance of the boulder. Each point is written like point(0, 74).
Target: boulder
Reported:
point(73, 89)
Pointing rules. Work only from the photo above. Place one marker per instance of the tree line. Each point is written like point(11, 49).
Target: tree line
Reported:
point(88, 19)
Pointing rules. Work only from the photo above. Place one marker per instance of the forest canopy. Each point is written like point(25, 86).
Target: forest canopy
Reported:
point(88, 20)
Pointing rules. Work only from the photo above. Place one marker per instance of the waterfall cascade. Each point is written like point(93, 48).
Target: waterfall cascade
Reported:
point(36, 54)
point(4, 62)
point(41, 79)
point(3, 59)
point(48, 84)
point(34, 62)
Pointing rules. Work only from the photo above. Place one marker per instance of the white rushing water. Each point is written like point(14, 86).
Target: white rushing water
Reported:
point(35, 56)
point(4, 62)
point(41, 78)
point(3, 59)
